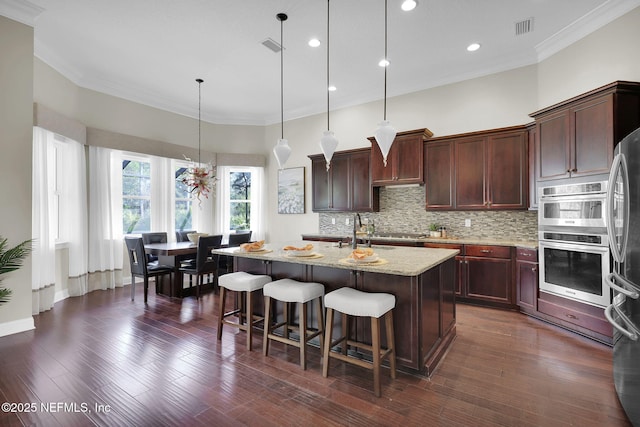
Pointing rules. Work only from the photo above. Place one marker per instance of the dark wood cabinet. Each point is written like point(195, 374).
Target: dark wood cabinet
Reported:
point(576, 138)
point(485, 274)
point(439, 167)
point(479, 170)
point(346, 186)
point(527, 279)
point(404, 162)
point(533, 166)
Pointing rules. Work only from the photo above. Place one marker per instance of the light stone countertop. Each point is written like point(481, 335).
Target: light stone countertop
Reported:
point(397, 260)
point(530, 244)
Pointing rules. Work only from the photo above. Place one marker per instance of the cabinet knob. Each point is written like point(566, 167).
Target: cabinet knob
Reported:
point(574, 170)
point(568, 170)
point(534, 269)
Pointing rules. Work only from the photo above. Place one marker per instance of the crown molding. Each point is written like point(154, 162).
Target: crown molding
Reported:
point(21, 11)
point(587, 24)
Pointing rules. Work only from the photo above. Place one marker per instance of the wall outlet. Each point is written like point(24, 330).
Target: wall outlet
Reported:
point(333, 221)
point(467, 222)
point(346, 221)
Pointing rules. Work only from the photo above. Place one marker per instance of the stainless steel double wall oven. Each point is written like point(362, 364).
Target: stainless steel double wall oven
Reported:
point(573, 241)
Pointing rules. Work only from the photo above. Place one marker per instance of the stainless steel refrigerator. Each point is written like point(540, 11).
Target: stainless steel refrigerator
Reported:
point(623, 226)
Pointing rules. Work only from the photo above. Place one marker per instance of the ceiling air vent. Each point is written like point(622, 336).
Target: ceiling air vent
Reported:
point(272, 45)
point(524, 27)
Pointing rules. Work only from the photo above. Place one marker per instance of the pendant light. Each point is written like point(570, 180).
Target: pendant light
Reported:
point(199, 178)
point(328, 142)
point(385, 134)
point(282, 151)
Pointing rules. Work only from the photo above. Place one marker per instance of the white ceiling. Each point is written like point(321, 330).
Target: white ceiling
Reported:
point(151, 51)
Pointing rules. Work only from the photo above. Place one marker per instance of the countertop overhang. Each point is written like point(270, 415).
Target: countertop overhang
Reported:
point(400, 260)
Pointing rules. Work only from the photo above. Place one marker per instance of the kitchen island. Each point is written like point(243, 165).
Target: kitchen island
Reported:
point(422, 280)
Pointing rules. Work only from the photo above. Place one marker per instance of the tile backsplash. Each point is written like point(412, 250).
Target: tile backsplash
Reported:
point(402, 211)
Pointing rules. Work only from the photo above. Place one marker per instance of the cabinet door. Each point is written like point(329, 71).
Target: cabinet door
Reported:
point(507, 167)
point(340, 185)
point(527, 284)
point(362, 195)
point(593, 137)
point(320, 185)
point(470, 184)
point(554, 136)
point(489, 279)
point(381, 174)
point(407, 159)
point(533, 168)
point(439, 167)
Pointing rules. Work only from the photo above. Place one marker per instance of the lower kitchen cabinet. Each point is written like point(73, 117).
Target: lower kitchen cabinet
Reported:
point(485, 274)
point(527, 279)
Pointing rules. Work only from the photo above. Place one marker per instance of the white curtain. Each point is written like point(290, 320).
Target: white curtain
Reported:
point(258, 203)
point(43, 273)
point(162, 195)
point(105, 227)
point(73, 216)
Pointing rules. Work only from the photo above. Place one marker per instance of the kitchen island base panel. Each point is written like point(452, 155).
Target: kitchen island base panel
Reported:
point(424, 318)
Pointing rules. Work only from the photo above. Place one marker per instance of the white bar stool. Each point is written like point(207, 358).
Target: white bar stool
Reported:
point(240, 282)
point(351, 302)
point(292, 291)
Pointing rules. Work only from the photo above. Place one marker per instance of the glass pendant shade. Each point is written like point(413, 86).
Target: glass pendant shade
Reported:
point(385, 134)
point(328, 144)
point(282, 151)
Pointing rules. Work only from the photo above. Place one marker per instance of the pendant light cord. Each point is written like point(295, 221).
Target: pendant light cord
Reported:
point(386, 61)
point(327, 88)
point(281, 17)
point(199, 109)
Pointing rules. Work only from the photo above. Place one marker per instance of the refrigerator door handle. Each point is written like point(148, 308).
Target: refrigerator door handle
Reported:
point(632, 334)
point(619, 165)
point(627, 287)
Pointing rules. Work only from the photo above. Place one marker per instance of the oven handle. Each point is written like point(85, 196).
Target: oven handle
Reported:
point(633, 334)
point(626, 287)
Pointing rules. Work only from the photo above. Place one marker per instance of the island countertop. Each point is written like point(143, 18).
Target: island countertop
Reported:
point(396, 260)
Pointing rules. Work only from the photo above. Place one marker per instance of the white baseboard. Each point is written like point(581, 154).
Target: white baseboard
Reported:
point(16, 326)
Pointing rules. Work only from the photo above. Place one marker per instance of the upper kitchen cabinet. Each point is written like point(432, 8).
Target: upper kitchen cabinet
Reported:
point(346, 186)
point(404, 162)
point(576, 137)
point(479, 170)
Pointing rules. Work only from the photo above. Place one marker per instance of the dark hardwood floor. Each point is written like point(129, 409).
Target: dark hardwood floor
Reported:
point(161, 365)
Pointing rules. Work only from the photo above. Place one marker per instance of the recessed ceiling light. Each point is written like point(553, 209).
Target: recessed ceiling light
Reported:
point(473, 47)
point(408, 5)
point(314, 42)
point(332, 88)
point(383, 63)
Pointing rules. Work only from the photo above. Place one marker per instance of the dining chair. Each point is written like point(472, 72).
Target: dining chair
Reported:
point(181, 235)
point(141, 268)
point(235, 239)
point(206, 262)
point(154, 237)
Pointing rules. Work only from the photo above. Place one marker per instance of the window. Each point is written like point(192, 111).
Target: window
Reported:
point(240, 200)
point(136, 196)
point(183, 203)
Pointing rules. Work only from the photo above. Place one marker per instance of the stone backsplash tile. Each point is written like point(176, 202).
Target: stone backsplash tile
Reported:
point(402, 211)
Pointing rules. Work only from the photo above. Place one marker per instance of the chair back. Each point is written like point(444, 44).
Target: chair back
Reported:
point(181, 235)
point(236, 239)
point(206, 262)
point(156, 237)
point(137, 257)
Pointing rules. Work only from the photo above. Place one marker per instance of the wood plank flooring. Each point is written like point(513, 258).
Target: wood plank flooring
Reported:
point(161, 365)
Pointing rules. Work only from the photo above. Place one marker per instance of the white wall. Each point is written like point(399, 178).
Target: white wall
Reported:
point(16, 135)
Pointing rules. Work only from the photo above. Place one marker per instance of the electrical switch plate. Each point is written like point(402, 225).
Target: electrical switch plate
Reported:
point(346, 221)
point(467, 222)
point(333, 221)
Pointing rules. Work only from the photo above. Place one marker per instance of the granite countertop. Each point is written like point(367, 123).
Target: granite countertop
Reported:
point(530, 244)
point(397, 260)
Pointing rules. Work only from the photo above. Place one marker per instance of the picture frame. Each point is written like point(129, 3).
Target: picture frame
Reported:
point(291, 191)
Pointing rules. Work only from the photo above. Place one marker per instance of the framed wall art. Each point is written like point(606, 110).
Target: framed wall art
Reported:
point(291, 191)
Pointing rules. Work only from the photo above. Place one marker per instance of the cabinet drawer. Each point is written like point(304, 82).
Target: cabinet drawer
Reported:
point(488, 251)
point(526, 254)
point(593, 322)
